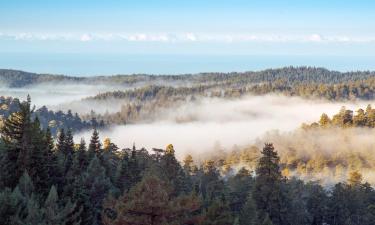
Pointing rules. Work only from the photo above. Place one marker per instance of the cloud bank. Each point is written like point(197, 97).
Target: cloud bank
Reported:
point(187, 37)
point(198, 127)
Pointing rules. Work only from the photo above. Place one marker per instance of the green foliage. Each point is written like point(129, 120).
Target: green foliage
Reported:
point(267, 186)
point(67, 184)
point(218, 213)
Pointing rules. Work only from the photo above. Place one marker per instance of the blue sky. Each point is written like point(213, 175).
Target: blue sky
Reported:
point(191, 27)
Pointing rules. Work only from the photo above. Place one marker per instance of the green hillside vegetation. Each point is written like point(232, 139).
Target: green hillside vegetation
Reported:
point(46, 181)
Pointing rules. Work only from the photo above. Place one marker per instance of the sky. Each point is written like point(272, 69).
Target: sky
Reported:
point(92, 36)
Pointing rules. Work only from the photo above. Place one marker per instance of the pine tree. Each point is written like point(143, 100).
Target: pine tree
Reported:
point(81, 157)
point(55, 214)
point(60, 146)
point(267, 185)
point(123, 176)
point(39, 156)
point(248, 214)
point(218, 213)
point(96, 186)
point(173, 171)
point(95, 145)
point(16, 137)
point(150, 202)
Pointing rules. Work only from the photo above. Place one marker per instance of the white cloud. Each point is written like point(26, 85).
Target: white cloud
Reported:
point(315, 38)
point(187, 37)
point(191, 37)
point(86, 37)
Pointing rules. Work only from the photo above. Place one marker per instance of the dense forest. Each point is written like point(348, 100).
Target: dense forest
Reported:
point(291, 75)
point(47, 181)
point(143, 97)
point(54, 121)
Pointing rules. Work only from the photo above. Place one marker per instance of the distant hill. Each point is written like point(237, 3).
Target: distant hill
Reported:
point(290, 75)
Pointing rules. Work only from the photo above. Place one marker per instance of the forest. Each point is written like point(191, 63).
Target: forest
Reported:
point(43, 182)
point(288, 146)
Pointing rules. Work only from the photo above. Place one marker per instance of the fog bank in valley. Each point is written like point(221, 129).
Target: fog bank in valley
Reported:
point(51, 94)
point(198, 126)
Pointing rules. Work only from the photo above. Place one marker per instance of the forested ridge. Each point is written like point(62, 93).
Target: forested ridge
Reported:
point(47, 181)
point(291, 76)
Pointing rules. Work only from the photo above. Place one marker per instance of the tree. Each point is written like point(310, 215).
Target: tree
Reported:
point(149, 202)
point(188, 164)
point(218, 213)
point(16, 136)
point(96, 185)
point(173, 171)
point(267, 185)
point(248, 214)
point(355, 178)
point(55, 214)
point(239, 187)
point(80, 157)
point(95, 145)
point(324, 121)
point(360, 120)
point(24, 149)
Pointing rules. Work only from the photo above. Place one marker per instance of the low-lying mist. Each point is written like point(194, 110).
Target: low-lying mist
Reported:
point(325, 154)
point(199, 126)
point(61, 96)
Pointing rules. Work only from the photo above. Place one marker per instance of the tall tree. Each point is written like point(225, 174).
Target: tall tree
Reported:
point(95, 145)
point(267, 185)
point(149, 202)
point(16, 136)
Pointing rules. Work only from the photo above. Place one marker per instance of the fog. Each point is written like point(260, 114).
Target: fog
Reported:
point(64, 96)
point(196, 127)
point(328, 155)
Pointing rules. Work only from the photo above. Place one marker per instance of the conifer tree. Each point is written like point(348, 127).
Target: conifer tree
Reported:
point(55, 214)
point(149, 202)
point(267, 185)
point(173, 171)
point(95, 145)
point(218, 213)
point(96, 186)
point(248, 215)
point(16, 137)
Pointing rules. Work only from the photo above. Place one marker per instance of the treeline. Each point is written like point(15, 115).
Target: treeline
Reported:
point(291, 76)
point(145, 102)
point(48, 182)
point(346, 118)
point(48, 118)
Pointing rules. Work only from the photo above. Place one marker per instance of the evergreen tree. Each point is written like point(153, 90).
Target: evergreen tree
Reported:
point(16, 136)
point(173, 171)
point(123, 176)
point(218, 213)
point(248, 215)
point(55, 214)
point(149, 202)
point(267, 186)
point(96, 186)
point(95, 145)
point(81, 157)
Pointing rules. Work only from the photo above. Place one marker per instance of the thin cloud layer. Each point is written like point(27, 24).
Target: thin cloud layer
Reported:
point(185, 37)
point(198, 127)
